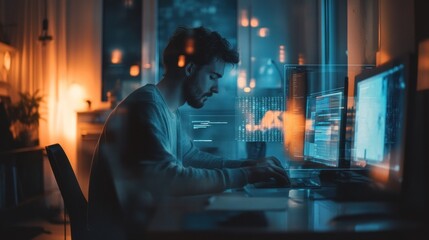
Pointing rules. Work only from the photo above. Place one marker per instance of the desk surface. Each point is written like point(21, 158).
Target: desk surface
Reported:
point(15, 151)
point(311, 217)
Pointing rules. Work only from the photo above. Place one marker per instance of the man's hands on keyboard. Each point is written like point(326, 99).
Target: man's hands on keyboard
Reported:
point(271, 160)
point(266, 169)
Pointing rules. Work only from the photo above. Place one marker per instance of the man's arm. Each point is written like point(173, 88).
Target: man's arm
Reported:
point(145, 156)
point(141, 150)
point(193, 157)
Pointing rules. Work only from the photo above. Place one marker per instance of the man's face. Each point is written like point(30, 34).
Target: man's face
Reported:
point(203, 82)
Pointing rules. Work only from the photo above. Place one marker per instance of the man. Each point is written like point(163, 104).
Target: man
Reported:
point(143, 148)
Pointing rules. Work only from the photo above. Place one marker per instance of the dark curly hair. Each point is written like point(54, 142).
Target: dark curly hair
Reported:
point(206, 46)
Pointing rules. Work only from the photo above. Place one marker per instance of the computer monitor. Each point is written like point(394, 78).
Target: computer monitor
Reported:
point(324, 142)
point(383, 105)
point(316, 125)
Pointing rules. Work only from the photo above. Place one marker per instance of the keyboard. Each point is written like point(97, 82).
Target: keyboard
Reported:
point(273, 189)
point(294, 183)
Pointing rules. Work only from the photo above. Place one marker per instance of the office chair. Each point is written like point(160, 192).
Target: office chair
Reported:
point(74, 200)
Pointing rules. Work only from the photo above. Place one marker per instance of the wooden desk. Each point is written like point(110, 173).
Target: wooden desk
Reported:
point(307, 218)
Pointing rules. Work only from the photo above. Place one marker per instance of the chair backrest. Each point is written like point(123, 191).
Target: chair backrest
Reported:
point(74, 200)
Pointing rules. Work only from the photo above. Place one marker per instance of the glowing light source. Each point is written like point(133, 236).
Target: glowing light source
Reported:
point(116, 56)
point(241, 81)
point(147, 65)
point(181, 61)
point(252, 83)
point(282, 54)
point(263, 32)
point(7, 60)
point(190, 46)
point(301, 60)
point(244, 21)
point(75, 91)
point(76, 97)
point(134, 70)
point(254, 22)
point(247, 89)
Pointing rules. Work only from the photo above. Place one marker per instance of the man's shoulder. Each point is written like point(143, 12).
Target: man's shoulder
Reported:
point(148, 93)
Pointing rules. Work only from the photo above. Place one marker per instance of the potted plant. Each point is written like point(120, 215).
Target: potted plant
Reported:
point(25, 117)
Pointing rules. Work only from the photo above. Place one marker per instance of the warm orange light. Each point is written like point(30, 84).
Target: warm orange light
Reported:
point(271, 120)
point(301, 59)
point(252, 83)
point(147, 65)
point(423, 66)
point(381, 57)
point(247, 89)
point(254, 22)
point(190, 46)
point(134, 70)
point(116, 56)
point(244, 21)
point(293, 132)
point(282, 54)
point(263, 32)
point(7, 60)
point(181, 61)
point(241, 81)
point(76, 97)
point(380, 174)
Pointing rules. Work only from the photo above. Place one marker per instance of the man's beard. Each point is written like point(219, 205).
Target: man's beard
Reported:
point(193, 95)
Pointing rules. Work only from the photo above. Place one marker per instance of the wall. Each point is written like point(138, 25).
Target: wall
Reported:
point(83, 43)
point(84, 47)
point(397, 35)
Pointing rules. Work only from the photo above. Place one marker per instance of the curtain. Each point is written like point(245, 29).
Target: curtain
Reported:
point(43, 66)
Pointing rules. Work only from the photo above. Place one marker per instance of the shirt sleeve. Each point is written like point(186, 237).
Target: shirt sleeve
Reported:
point(145, 155)
point(196, 158)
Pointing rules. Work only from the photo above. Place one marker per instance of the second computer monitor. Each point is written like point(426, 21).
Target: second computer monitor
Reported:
point(325, 127)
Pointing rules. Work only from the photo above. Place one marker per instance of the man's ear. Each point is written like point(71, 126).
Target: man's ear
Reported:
point(189, 69)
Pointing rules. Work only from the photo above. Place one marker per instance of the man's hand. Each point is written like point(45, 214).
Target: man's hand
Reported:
point(266, 173)
point(262, 162)
point(264, 169)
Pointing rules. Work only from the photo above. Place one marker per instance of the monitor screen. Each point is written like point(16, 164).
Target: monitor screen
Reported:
point(380, 123)
point(324, 129)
